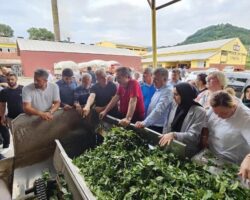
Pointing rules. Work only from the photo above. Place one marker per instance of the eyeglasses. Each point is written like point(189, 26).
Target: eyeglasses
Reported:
point(176, 94)
point(211, 78)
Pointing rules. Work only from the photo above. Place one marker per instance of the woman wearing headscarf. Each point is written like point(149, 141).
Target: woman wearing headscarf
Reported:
point(186, 119)
point(246, 96)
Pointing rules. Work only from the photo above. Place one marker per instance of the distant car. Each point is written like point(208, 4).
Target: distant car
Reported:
point(228, 69)
point(238, 81)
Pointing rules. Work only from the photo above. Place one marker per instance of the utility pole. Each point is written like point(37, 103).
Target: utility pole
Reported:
point(55, 20)
point(153, 15)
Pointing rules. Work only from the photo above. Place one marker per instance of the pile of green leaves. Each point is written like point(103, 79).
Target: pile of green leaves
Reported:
point(123, 167)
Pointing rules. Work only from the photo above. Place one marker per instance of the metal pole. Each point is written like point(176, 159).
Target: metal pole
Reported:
point(55, 20)
point(154, 43)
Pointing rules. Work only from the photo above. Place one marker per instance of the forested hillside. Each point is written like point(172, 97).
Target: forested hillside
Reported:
point(217, 32)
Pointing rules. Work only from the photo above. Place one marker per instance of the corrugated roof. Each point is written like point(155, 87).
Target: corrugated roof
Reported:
point(7, 40)
point(37, 45)
point(183, 57)
point(194, 47)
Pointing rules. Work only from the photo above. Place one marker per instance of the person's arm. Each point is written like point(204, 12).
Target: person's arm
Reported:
point(2, 112)
point(2, 109)
point(90, 102)
point(161, 108)
point(110, 105)
point(245, 168)
point(54, 107)
point(192, 133)
point(28, 109)
point(131, 108)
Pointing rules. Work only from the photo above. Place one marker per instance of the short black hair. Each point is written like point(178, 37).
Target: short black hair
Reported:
point(41, 73)
point(67, 72)
point(177, 71)
point(89, 68)
point(202, 77)
point(12, 74)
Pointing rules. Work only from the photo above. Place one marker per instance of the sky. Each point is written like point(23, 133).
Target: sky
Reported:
point(123, 21)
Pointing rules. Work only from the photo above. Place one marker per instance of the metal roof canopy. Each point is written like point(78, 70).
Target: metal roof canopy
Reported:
point(152, 4)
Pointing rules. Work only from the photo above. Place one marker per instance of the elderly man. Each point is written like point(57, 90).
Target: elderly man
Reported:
point(147, 86)
point(160, 104)
point(82, 92)
point(67, 85)
point(175, 78)
point(41, 98)
point(100, 94)
point(130, 96)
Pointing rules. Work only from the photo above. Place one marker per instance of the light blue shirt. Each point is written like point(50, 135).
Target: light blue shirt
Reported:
point(159, 107)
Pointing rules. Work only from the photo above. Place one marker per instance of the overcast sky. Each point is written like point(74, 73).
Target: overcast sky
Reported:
point(123, 21)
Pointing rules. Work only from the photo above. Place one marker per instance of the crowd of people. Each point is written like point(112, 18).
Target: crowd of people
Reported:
point(178, 110)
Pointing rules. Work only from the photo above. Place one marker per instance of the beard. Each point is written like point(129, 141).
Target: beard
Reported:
point(12, 84)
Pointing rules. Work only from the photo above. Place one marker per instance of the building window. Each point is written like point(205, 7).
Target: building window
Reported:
point(224, 53)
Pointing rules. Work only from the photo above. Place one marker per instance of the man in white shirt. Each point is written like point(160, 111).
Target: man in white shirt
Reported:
point(41, 98)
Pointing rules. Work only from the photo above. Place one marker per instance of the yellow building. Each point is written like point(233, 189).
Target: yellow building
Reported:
point(7, 45)
point(219, 53)
point(137, 49)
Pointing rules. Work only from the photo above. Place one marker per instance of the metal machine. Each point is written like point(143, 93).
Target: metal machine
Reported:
point(41, 145)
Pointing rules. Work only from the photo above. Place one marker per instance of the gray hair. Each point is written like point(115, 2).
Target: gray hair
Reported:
point(148, 70)
point(124, 71)
point(162, 71)
point(41, 73)
point(86, 75)
point(101, 72)
point(221, 78)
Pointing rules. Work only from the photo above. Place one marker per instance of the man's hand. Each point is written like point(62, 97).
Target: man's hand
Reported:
point(102, 114)
point(245, 168)
point(79, 109)
point(124, 122)
point(166, 139)
point(46, 116)
point(85, 112)
point(139, 125)
point(67, 107)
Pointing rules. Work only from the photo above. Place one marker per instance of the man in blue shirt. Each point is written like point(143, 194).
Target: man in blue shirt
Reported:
point(67, 86)
point(147, 87)
point(160, 104)
point(82, 92)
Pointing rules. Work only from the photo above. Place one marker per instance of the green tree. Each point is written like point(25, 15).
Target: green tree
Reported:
point(6, 31)
point(40, 34)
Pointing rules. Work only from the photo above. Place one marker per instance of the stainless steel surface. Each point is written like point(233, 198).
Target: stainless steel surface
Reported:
point(75, 181)
point(34, 137)
point(24, 177)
